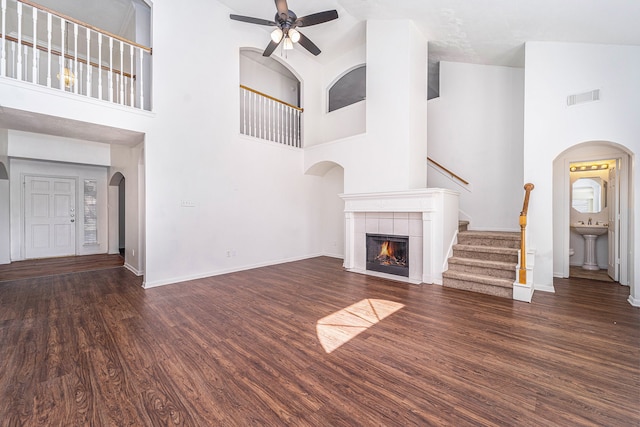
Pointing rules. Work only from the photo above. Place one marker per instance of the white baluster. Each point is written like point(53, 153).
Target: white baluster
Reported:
point(34, 65)
point(111, 89)
point(19, 75)
point(88, 91)
point(49, 29)
point(244, 111)
point(255, 115)
point(131, 78)
point(269, 107)
point(100, 66)
point(79, 80)
point(62, 58)
point(74, 81)
point(121, 86)
point(3, 54)
point(141, 77)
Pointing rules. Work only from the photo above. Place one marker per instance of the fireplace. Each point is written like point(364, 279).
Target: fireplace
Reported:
point(388, 254)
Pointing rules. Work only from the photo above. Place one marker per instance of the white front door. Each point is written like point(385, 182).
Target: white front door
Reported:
point(613, 203)
point(49, 216)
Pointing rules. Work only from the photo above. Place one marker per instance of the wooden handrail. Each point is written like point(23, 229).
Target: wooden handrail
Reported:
point(522, 274)
point(67, 56)
point(271, 98)
point(448, 171)
point(84, 24)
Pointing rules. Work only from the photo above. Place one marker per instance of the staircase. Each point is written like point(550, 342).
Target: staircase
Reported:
point(484, 262)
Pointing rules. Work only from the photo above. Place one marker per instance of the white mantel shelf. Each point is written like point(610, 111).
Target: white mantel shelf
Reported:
point(432, 214)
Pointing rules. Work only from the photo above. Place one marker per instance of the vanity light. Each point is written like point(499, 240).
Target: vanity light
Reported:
point(588, 167)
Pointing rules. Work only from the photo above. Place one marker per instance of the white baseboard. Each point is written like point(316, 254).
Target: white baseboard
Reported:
point(634, 301)
point(545, 288)
point(132, 269)
point(213, 273)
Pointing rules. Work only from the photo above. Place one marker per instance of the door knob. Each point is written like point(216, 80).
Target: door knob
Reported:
point(73, 220)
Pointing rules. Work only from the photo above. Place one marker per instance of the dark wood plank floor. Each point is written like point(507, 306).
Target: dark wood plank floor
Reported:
point(61, 265)
point(95, 349)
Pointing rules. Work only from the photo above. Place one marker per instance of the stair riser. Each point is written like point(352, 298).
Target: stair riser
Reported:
point(484, 271)
point(487, 256)
point(482, 288)
point(483, 241)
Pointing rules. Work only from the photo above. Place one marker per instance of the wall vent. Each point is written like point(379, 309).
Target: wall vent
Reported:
point(579, 98)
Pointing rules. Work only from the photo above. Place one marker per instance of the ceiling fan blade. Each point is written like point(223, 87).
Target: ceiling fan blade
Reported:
point(283, 9)
point(251, 20)
point(270, 48)
point(308, 44)
point(317, 18)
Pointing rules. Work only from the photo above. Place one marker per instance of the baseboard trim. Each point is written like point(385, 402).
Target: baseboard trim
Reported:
point(634, 301)
point(156, 283)
point(545, 288)
point(132, 269)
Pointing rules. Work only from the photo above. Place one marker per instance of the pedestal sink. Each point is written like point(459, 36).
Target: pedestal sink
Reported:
point(590, 234)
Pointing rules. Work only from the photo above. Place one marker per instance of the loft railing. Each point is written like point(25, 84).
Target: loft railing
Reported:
point(44, 47)
point(265, 117)
point(447, 171)
point(522, 274)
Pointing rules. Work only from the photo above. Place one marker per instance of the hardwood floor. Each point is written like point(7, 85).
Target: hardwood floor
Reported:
point(94, 349)
point(61, 265)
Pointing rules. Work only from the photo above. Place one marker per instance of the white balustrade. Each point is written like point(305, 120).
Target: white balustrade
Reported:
point(78, 58)
point(264, 117)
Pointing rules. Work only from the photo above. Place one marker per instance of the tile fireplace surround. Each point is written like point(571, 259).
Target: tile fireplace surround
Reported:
point(428, 216)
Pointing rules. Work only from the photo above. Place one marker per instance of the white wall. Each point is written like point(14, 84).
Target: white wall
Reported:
point(475, 129)
point(127, 161)
point(267, 80)
point(552, 72)
point(332, 227)
point(252, 205)
point(54, 148)
point(5, 223)
point(391, 155)
point(21, 167)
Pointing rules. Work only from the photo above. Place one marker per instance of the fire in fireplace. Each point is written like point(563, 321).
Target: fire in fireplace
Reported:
point(388, 254)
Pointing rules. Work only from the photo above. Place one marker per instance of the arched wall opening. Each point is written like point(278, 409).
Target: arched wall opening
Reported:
point(619, 240)
point(117, 214)
point(331, 228)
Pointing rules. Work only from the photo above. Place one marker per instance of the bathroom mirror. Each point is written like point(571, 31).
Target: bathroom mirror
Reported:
point(588, 195)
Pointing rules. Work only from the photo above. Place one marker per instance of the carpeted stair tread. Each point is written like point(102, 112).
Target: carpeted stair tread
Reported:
point(489, 249)
point(499, 265)
point(487, 280)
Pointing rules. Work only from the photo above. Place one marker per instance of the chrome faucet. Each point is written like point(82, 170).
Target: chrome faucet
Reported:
point(589, 223)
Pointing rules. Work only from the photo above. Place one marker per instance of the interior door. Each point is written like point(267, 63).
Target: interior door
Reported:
point(613, 203)
point(49, 216)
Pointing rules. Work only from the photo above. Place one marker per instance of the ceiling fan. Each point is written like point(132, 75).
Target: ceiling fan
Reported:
point(286, 23)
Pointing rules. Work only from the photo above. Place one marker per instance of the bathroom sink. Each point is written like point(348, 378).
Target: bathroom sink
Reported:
point(590, 230)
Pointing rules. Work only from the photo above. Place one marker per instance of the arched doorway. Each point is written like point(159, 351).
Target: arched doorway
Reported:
point(117, 217)
point(613, 249)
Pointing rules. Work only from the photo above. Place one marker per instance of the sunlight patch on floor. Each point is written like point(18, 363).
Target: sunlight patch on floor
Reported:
point(338, 328)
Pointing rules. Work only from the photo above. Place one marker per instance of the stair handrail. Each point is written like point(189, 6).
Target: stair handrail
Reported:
point(264, 95)
point(522, 276)
point(464, 181)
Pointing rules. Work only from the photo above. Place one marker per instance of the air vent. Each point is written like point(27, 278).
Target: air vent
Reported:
point(580, 98)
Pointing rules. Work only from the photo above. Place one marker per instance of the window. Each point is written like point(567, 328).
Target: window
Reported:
point(90, 212)
point(349, 89)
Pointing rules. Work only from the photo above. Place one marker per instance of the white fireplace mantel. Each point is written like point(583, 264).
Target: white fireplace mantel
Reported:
point(431, 214)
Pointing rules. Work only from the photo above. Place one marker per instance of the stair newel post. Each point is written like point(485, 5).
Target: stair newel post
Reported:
point(522, 274)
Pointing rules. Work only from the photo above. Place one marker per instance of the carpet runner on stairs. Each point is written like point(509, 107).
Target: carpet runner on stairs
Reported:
point(484, 262)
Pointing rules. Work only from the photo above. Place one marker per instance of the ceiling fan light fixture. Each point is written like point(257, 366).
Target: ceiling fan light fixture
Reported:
point(288, 44)
point(294, 35)
point(276, 35)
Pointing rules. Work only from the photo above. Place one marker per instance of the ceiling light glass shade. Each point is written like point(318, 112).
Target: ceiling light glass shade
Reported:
point(294, 35)
point(276, 35)
point(288, 45)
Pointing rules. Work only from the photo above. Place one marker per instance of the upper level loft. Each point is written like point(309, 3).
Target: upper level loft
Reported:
point(52, 48)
